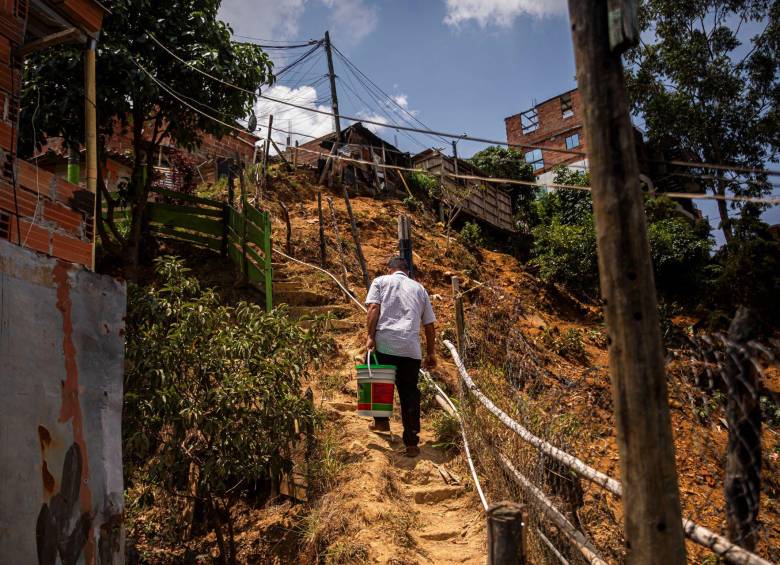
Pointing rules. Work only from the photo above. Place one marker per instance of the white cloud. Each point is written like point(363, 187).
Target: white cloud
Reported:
point(349, 20)
point(374, 117)
point(499, 13)
point(302, 121)
point(402, 100)
point(266, 19)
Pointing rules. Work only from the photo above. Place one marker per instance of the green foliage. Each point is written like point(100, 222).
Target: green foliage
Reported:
point(446, 429)
point(566, 253)
point(568, 344)
point(423, 183)
point(471, 236)
point(213, 386)
point(705, 80)
point(129, 100)
point(680, 248)
point(746, 271)
point(411, 203)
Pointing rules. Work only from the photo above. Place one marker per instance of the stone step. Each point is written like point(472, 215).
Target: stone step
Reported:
point(432, 495)
point(338, 310)
point(288, 285)
point(335, 325)
point(300, 298)
point(441, 533)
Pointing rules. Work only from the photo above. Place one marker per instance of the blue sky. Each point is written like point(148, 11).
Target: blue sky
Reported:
point(459, 66)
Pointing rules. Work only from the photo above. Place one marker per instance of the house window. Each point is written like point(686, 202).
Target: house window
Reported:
point(529, 120)
point(566, 107)
point(535, 159)
point(573, 141)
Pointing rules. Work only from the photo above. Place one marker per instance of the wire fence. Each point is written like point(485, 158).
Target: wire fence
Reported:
point(531, 376)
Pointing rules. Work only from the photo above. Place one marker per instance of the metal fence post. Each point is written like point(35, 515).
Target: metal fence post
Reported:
point(505, 534)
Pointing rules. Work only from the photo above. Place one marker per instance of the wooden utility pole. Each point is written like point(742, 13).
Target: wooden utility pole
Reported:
point(505, 536)
point(334, 104)
point(323, 251)
point(405, 242)
point(653, 524)
point(295, 156)
point(356, 238)
point(266, 149)
point(90, 130)
point(286, 213)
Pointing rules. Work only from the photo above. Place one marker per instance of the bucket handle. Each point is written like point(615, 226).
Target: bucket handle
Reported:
point(368, 362)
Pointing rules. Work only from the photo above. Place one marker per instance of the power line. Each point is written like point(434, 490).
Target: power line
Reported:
point(465, 137)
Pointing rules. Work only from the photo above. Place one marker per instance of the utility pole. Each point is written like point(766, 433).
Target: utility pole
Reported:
point(334, 106)
point(601, 30)
point(455, 158)
point(333, 97)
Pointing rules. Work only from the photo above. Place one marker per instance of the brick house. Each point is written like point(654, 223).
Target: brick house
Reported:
point(557, 123)
point(37, 209)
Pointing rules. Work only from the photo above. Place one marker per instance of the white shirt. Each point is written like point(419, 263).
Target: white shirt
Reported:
point(403, 303)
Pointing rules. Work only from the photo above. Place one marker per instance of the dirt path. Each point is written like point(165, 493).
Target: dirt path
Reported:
point(411, 513)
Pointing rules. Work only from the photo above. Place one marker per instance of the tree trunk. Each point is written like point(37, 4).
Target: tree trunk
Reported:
point(723, 208)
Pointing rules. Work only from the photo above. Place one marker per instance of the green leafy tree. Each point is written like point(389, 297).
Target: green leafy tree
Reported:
point(507, 163)
point(707, 91)
point(746, 272)
point(213, 393)
point(130, 100)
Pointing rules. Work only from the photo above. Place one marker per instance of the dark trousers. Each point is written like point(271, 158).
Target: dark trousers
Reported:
point(407, 370)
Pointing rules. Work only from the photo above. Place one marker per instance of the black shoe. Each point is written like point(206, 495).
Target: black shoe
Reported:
point(381, 426)
point(412, 451)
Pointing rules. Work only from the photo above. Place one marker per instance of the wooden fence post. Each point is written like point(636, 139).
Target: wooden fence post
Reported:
point(323, 250)
point(742, 483)
point(460, 328)
point(339, 246)
point(244, 261)
point(356, 237)
point(505, 535)
point(295, 156)
point(405, 242)
point(266, 149)
point(269, 274)
point(653, 523)
point(286, 213)
point(311, 445)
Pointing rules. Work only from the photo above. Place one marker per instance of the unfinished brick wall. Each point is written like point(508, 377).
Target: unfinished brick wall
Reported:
point(37, 209)
point(552, 132)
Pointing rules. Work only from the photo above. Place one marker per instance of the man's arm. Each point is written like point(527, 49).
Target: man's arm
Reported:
point(430, 345)
point(372, 319)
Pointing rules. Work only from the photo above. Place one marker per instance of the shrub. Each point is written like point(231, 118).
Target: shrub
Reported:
point(423, 183)
point(212, 388)
point(446, 429)
point(471, 235)
point(568, 344)
point(566, 253)
point(411, 203)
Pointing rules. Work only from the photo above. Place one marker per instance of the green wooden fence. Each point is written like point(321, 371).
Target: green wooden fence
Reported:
point(243, 236)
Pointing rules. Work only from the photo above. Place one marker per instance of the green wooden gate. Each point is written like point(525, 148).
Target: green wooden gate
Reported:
point(243, 236)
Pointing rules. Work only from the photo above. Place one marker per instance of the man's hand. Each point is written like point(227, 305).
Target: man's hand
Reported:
point(430, 362)
point(370, 344)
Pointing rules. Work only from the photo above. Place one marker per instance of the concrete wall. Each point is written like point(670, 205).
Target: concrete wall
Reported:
point(61, 368)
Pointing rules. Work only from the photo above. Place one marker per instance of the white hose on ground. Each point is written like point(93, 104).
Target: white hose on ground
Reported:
point(425, 375)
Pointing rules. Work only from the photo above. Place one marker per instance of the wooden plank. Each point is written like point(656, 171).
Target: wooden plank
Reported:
point(174, 218)
point(179, 209)
point(208, 242)
point(254, 234)
point(186, 197)
point(255, 216)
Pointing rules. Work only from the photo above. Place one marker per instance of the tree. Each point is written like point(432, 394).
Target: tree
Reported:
point(706, 91)
point(130, 100)
point(508, 163)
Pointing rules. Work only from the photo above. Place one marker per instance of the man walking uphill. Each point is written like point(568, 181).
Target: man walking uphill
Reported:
point(397, 306)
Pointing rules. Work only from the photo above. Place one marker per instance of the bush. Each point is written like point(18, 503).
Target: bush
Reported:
point(471, 235)
point(566, 253)
point(568, 344)
point(213, 396)
point(411, 203)
point(423, 183)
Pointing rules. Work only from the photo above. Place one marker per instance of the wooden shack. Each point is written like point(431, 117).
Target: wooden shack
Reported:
point(361, 144)
point(487, 203)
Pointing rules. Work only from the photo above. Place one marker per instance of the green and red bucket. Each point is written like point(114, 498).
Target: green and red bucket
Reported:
point(375, 388)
